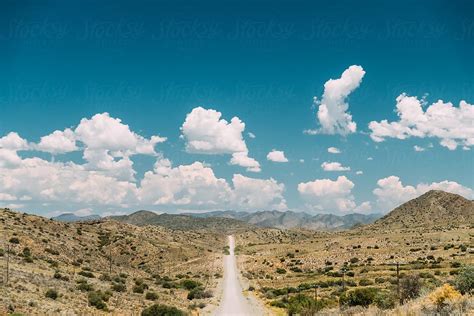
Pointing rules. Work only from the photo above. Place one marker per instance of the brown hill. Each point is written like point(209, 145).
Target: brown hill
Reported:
point(433, 209)
point(74, 260)
point(184, 222)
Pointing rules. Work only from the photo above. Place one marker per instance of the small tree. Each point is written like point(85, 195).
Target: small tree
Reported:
point(410, 287)
point(465, 280)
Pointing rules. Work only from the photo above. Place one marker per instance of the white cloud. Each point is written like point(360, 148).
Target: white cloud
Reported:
point(196, 186)
point(391, 192)
point(242, 159)
point(301, 160)
point(109, 143)
point(334, 166)
point(364, 207)
point(206, 133)
point(251, 135)
point(7, 197)
point(255, 194)
point(370, 158)
point(359, 172)
point(9, 147)
point(40, 180)
point(328, 195)
point(277, 156)
point(334, 150)
point(451, 125)
point(106, 177)
point(13, 141)
point(58, 142)
point(418, 148)
point(333, 109)
point(189, 185)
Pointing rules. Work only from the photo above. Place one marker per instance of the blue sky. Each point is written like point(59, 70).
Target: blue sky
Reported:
point(151, 63)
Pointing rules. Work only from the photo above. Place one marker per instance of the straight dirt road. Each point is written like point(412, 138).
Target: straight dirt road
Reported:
point(233, 301)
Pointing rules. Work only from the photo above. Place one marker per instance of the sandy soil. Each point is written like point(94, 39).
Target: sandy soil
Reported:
point(233, 301)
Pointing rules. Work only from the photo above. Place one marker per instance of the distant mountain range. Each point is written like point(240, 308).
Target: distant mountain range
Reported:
point(435, 208)
point(432, 209)
point(70, 217)
point(183, 222)
point(289, 219)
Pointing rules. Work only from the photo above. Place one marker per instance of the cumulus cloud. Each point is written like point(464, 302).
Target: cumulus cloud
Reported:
point(333, 108)
point(205, 132)
point(9, 147)
point(44, 181)
point(418, 148)
point(359, 172)
point(364, 207)
point(242, 159)
point(328, 195)
point(251, 135)
point(254, 194)
point(451, 125)
point(334, 150)
point(109, 143)
point(106, 176)
point(277, 156)
point(391, 192)
point(196, 186)
point(193, 184)
point(58, 142)
point(334, 166)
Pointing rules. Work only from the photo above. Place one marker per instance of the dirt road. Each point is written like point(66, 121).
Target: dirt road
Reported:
point(233, 300)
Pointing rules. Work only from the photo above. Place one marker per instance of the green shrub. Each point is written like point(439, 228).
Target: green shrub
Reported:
point(465, 280)
point(455, 264)
point(362, 296)
point(301, 304)
point(162, 310)
point(52, 251)
point(365, 282)
point(385, 300)
point(280, 271)
point(190, 284)
point(83, 286)
point(198, 293)
point(14, 240)
point(119, 287)
point(139, 288)
point(52, 294)
point(152, 296)
point(86, 274)
point(26, 252)
point(380, 280)
point(98, 299)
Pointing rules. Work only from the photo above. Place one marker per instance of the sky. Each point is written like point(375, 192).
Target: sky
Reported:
point(178, 106)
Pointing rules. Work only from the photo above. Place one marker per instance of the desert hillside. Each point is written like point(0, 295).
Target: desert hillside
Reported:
point(73, 259)
point(433, 209)
point(219, 225)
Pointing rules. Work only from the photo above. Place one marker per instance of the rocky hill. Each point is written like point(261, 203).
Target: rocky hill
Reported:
point(70, 218)
point(73, 260)
point(184, 222)
point(435, 208)
point(294, 220)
